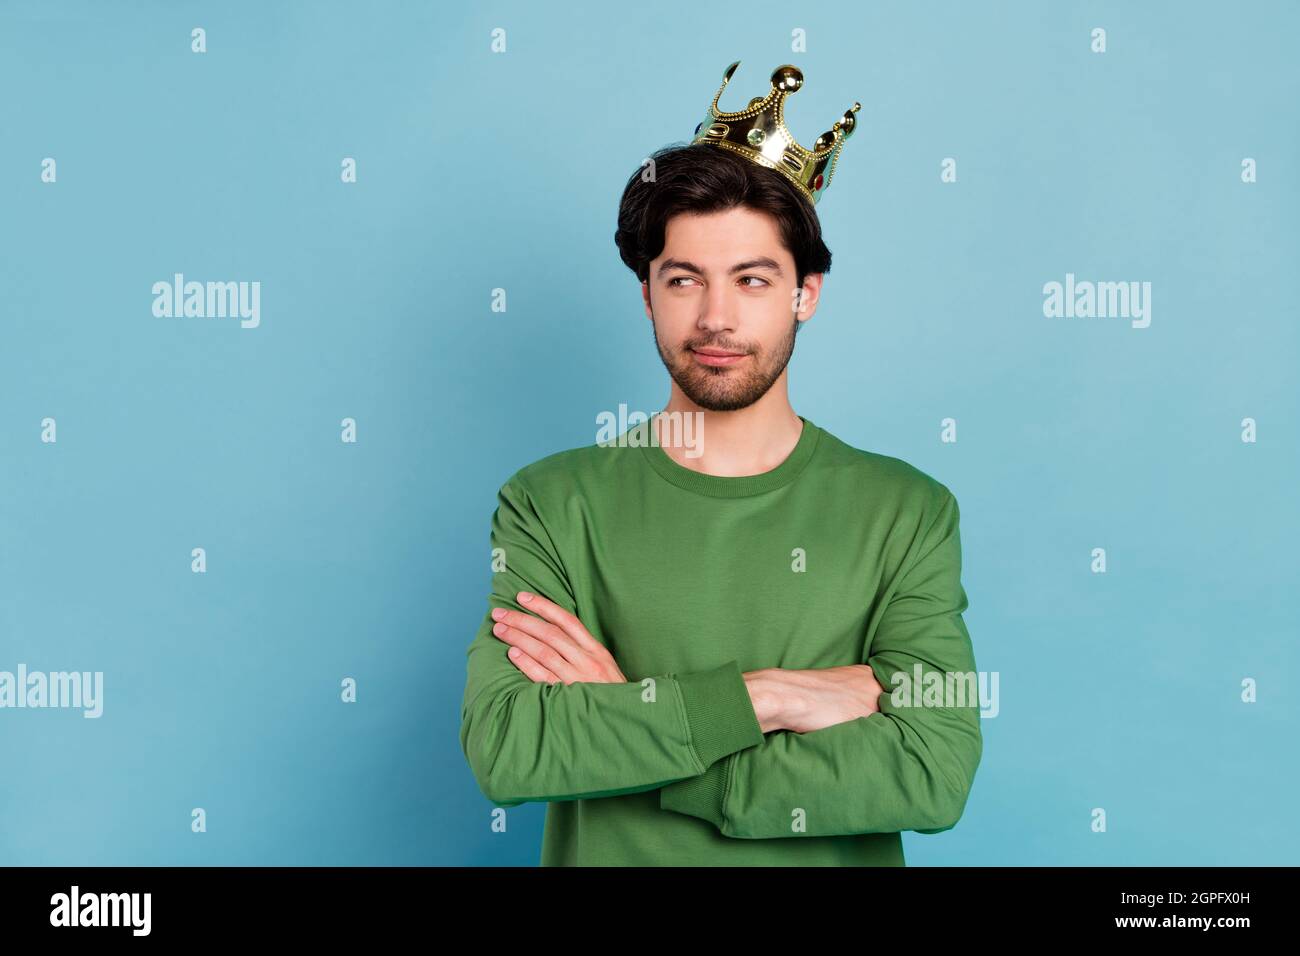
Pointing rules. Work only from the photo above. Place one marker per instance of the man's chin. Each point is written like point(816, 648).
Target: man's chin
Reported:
point(720, 400)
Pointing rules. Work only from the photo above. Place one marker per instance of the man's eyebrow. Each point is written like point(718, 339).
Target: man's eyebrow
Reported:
point(760, 262)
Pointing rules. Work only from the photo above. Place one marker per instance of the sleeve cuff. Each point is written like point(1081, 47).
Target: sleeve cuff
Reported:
point(704, 796)
point(719, 713)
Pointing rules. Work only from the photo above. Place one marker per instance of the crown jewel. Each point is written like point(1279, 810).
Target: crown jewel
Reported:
point(758, 132)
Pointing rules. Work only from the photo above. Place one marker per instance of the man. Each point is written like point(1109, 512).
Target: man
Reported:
point(693, 657)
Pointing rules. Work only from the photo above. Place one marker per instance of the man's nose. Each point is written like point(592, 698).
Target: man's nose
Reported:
point(718, 309)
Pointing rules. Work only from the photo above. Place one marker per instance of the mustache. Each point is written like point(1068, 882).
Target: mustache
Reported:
point(721, 346)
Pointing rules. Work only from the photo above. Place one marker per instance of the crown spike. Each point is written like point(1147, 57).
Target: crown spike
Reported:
point(726, 78)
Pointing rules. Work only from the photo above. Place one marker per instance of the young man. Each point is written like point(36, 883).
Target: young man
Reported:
point(693, 657)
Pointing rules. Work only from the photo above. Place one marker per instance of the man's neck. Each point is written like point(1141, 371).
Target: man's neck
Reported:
point(748, 441)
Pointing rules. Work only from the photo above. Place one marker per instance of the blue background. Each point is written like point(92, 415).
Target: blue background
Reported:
point(479, 170)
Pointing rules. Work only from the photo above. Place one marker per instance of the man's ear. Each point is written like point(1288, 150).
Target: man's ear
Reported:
point(811, 292)
point(645, 297)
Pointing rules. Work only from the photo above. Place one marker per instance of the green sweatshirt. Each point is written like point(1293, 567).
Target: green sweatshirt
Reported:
point(836, 556)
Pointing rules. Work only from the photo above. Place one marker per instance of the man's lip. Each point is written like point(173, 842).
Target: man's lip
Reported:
point(717, 359)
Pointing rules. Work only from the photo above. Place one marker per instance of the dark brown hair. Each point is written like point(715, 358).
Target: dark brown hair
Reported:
point(700, 178)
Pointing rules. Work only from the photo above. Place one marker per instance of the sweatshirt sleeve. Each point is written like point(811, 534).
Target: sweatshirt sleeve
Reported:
point(529, 741)
point(902, 768)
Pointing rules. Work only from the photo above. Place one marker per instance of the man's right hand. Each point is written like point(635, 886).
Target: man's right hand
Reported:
point(807, 700)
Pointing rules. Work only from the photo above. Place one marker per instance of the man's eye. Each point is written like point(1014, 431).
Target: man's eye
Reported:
point(673, 282)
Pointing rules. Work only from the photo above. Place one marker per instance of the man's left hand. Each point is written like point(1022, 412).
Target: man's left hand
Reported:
point(555, 646)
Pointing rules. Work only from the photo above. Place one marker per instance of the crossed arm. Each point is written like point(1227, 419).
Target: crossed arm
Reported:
point(555, 647)
point(557, 720)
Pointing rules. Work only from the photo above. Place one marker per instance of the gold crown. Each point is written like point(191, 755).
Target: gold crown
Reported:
point(758, 132)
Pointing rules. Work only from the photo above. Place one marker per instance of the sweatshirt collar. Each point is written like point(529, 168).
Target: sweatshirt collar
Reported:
point(719, 486)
